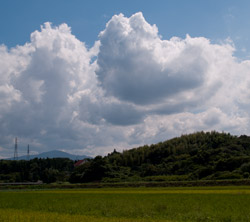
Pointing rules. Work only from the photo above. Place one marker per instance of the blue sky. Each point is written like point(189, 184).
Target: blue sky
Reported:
point(86, 77)
point(212, 19)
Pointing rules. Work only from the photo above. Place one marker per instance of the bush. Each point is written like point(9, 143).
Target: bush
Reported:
point(228, 175)
point(245, 167)
point(167, 178)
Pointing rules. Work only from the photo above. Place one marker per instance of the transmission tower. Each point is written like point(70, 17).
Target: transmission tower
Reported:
point(15, 152)
point(28, 152)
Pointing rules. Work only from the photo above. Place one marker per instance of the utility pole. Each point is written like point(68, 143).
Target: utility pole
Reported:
point(28, 152)
point(15, 152)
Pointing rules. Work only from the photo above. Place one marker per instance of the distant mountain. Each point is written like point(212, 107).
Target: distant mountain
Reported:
point(53, 154)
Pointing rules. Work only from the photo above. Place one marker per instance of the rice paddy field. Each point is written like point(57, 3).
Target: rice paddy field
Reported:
point(225, 204)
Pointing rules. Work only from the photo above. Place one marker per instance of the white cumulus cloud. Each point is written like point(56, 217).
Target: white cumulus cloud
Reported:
point(136, 65)
point(132, 87)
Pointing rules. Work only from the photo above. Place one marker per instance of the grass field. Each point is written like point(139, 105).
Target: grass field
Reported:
point(224, 204)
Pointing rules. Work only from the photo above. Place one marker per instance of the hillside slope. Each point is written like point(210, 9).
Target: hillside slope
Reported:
point(201, 155)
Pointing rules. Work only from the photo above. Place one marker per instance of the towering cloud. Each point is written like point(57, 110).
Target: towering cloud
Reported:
point(132, 87)
point(136, 65)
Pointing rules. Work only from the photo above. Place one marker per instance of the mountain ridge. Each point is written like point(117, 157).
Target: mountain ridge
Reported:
point(53, 154)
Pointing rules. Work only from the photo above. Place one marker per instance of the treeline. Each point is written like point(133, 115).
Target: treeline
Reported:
point(46, 170)
point(197, 156)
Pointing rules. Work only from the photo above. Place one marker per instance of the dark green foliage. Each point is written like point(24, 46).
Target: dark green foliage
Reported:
point(198, 156)
point(46, 170)
point(201, 155)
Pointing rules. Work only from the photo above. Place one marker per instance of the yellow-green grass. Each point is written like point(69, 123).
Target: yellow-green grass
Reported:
point(225, 204)
point(37, 216)
point(146, 190)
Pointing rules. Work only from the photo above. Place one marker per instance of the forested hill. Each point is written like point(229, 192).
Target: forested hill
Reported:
point(198, 156)
point(201, 155)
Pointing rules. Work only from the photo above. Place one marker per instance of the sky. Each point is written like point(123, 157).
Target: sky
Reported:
point(88, 77)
